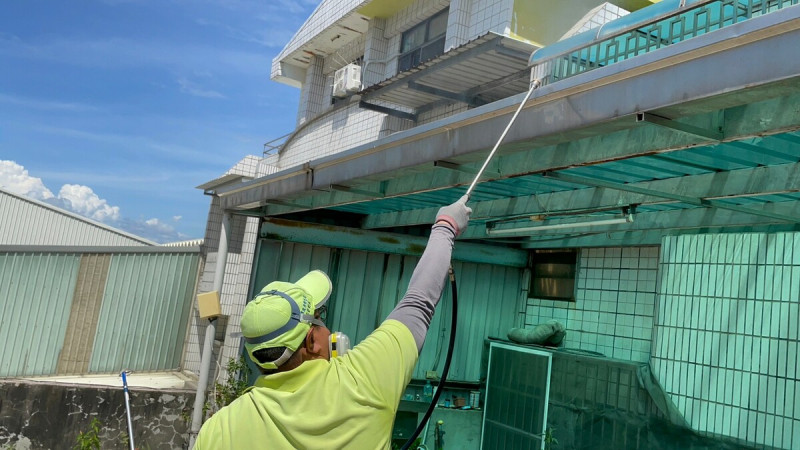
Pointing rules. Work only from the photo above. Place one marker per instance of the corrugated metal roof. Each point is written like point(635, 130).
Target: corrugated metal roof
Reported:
point(30, 222)
point(488, 68)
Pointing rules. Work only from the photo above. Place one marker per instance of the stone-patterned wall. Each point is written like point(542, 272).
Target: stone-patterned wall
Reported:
point(50, 416)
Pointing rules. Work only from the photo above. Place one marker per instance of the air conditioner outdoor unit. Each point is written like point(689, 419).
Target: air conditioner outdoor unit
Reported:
point(347, 80)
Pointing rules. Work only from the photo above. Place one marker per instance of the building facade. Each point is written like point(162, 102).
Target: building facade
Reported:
point(646, 197)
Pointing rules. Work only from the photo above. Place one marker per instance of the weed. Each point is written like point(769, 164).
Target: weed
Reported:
point(234, 386)
point(549, 440)
point(89, 440)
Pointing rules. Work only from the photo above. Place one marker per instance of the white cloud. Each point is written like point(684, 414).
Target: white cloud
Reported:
point(15, 178)
point(153, 229)
point(192, 88)
point(73, 197)
point(45, 105)
point(84, 201)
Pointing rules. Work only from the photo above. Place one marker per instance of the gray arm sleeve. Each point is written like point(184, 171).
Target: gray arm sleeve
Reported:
point(416, 308)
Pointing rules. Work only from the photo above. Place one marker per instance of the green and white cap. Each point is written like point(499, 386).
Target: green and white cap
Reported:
point(281, 315)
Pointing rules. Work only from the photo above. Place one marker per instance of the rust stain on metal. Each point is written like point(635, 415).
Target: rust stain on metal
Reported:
point(415, 248)
point(388, 240)
point(309, 225)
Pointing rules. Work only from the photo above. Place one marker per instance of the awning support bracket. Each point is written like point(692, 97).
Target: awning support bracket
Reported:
point(714, 135)
point(464, 169)
point(352, 190)
point(386, 110)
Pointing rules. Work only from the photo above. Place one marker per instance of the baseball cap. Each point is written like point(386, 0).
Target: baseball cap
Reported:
point(282, 313)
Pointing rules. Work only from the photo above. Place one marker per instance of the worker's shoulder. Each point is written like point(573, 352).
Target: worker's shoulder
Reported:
point(397, 329)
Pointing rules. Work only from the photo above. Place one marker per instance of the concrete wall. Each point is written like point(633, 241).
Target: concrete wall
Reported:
point(50, 416)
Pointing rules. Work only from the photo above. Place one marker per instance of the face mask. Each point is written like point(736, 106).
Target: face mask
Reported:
point(338, 344)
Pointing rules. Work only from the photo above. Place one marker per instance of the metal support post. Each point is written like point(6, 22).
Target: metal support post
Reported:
point(211, 331)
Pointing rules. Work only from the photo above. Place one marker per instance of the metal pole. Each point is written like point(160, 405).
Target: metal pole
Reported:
point(211, 331)
point(534, 84)
point(127, 408)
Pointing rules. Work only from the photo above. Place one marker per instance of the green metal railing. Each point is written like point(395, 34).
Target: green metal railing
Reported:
point(683, 25)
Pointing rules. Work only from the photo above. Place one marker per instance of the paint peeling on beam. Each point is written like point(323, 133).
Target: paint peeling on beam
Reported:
point(375, 241)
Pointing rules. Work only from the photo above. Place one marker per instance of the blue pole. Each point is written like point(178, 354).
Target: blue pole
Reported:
point(127, 408)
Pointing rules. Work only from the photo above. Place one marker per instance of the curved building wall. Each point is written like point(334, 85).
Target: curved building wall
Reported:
point(337, 131)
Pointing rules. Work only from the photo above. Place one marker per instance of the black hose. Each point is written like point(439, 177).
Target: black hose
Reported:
point(447, 360)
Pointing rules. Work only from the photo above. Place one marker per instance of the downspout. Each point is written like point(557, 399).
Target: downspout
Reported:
point(211, 331)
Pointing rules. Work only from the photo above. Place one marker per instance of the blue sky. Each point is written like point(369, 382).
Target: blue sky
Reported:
point(117, 109)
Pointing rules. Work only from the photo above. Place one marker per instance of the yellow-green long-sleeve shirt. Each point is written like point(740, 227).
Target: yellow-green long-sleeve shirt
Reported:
point(347, 402)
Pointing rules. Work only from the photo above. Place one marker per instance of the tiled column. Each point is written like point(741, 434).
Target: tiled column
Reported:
point(458, 23)
point(375, 53)
point(311, 94)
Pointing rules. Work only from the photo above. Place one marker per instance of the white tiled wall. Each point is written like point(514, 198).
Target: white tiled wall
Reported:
point(312, 99)
point(241, 249)
point(376, 53)
point(490, 15)
point(328, 12)
point(344, 128)
point(458, 21)
point(726, 334)
point(598, 16)
point(336, 131)
point(614, 301)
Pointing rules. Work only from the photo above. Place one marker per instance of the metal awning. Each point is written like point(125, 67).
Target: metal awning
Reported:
point(481, 71)
point(689, 152)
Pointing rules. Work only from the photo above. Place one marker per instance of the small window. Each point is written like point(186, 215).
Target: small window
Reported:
point(423, 42)
point(553, 274)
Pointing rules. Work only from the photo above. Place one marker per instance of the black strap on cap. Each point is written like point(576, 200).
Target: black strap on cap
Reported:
point(295, 318)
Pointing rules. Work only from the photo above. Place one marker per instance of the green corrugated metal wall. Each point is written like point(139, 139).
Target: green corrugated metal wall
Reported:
point(36, 291)
point(368, 285)
point(73, 313)
point(145, 311)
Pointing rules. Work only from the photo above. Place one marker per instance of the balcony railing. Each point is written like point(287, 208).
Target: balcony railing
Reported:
point(672, 21)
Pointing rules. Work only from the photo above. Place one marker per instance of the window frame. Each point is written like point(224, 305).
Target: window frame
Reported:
point(413, 57)
point(544, 257)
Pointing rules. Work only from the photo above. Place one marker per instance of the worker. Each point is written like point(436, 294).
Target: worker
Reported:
point(305, 398)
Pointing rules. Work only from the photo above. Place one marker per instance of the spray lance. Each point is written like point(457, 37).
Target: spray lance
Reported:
point(451, 275)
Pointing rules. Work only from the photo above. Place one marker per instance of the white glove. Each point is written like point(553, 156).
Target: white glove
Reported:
point(456, 215)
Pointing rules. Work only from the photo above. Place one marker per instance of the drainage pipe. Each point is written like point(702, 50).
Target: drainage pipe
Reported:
point(211, 331)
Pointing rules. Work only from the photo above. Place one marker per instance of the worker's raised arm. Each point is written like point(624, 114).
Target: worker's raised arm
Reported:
point(416, 308)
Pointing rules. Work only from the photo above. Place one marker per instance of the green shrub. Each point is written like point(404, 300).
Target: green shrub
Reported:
point(89, 440)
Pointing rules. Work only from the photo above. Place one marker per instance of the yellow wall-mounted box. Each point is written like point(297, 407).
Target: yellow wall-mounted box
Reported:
point(208, 305)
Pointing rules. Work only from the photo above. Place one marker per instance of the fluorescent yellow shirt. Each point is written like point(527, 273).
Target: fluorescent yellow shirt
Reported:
point(348, 402)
